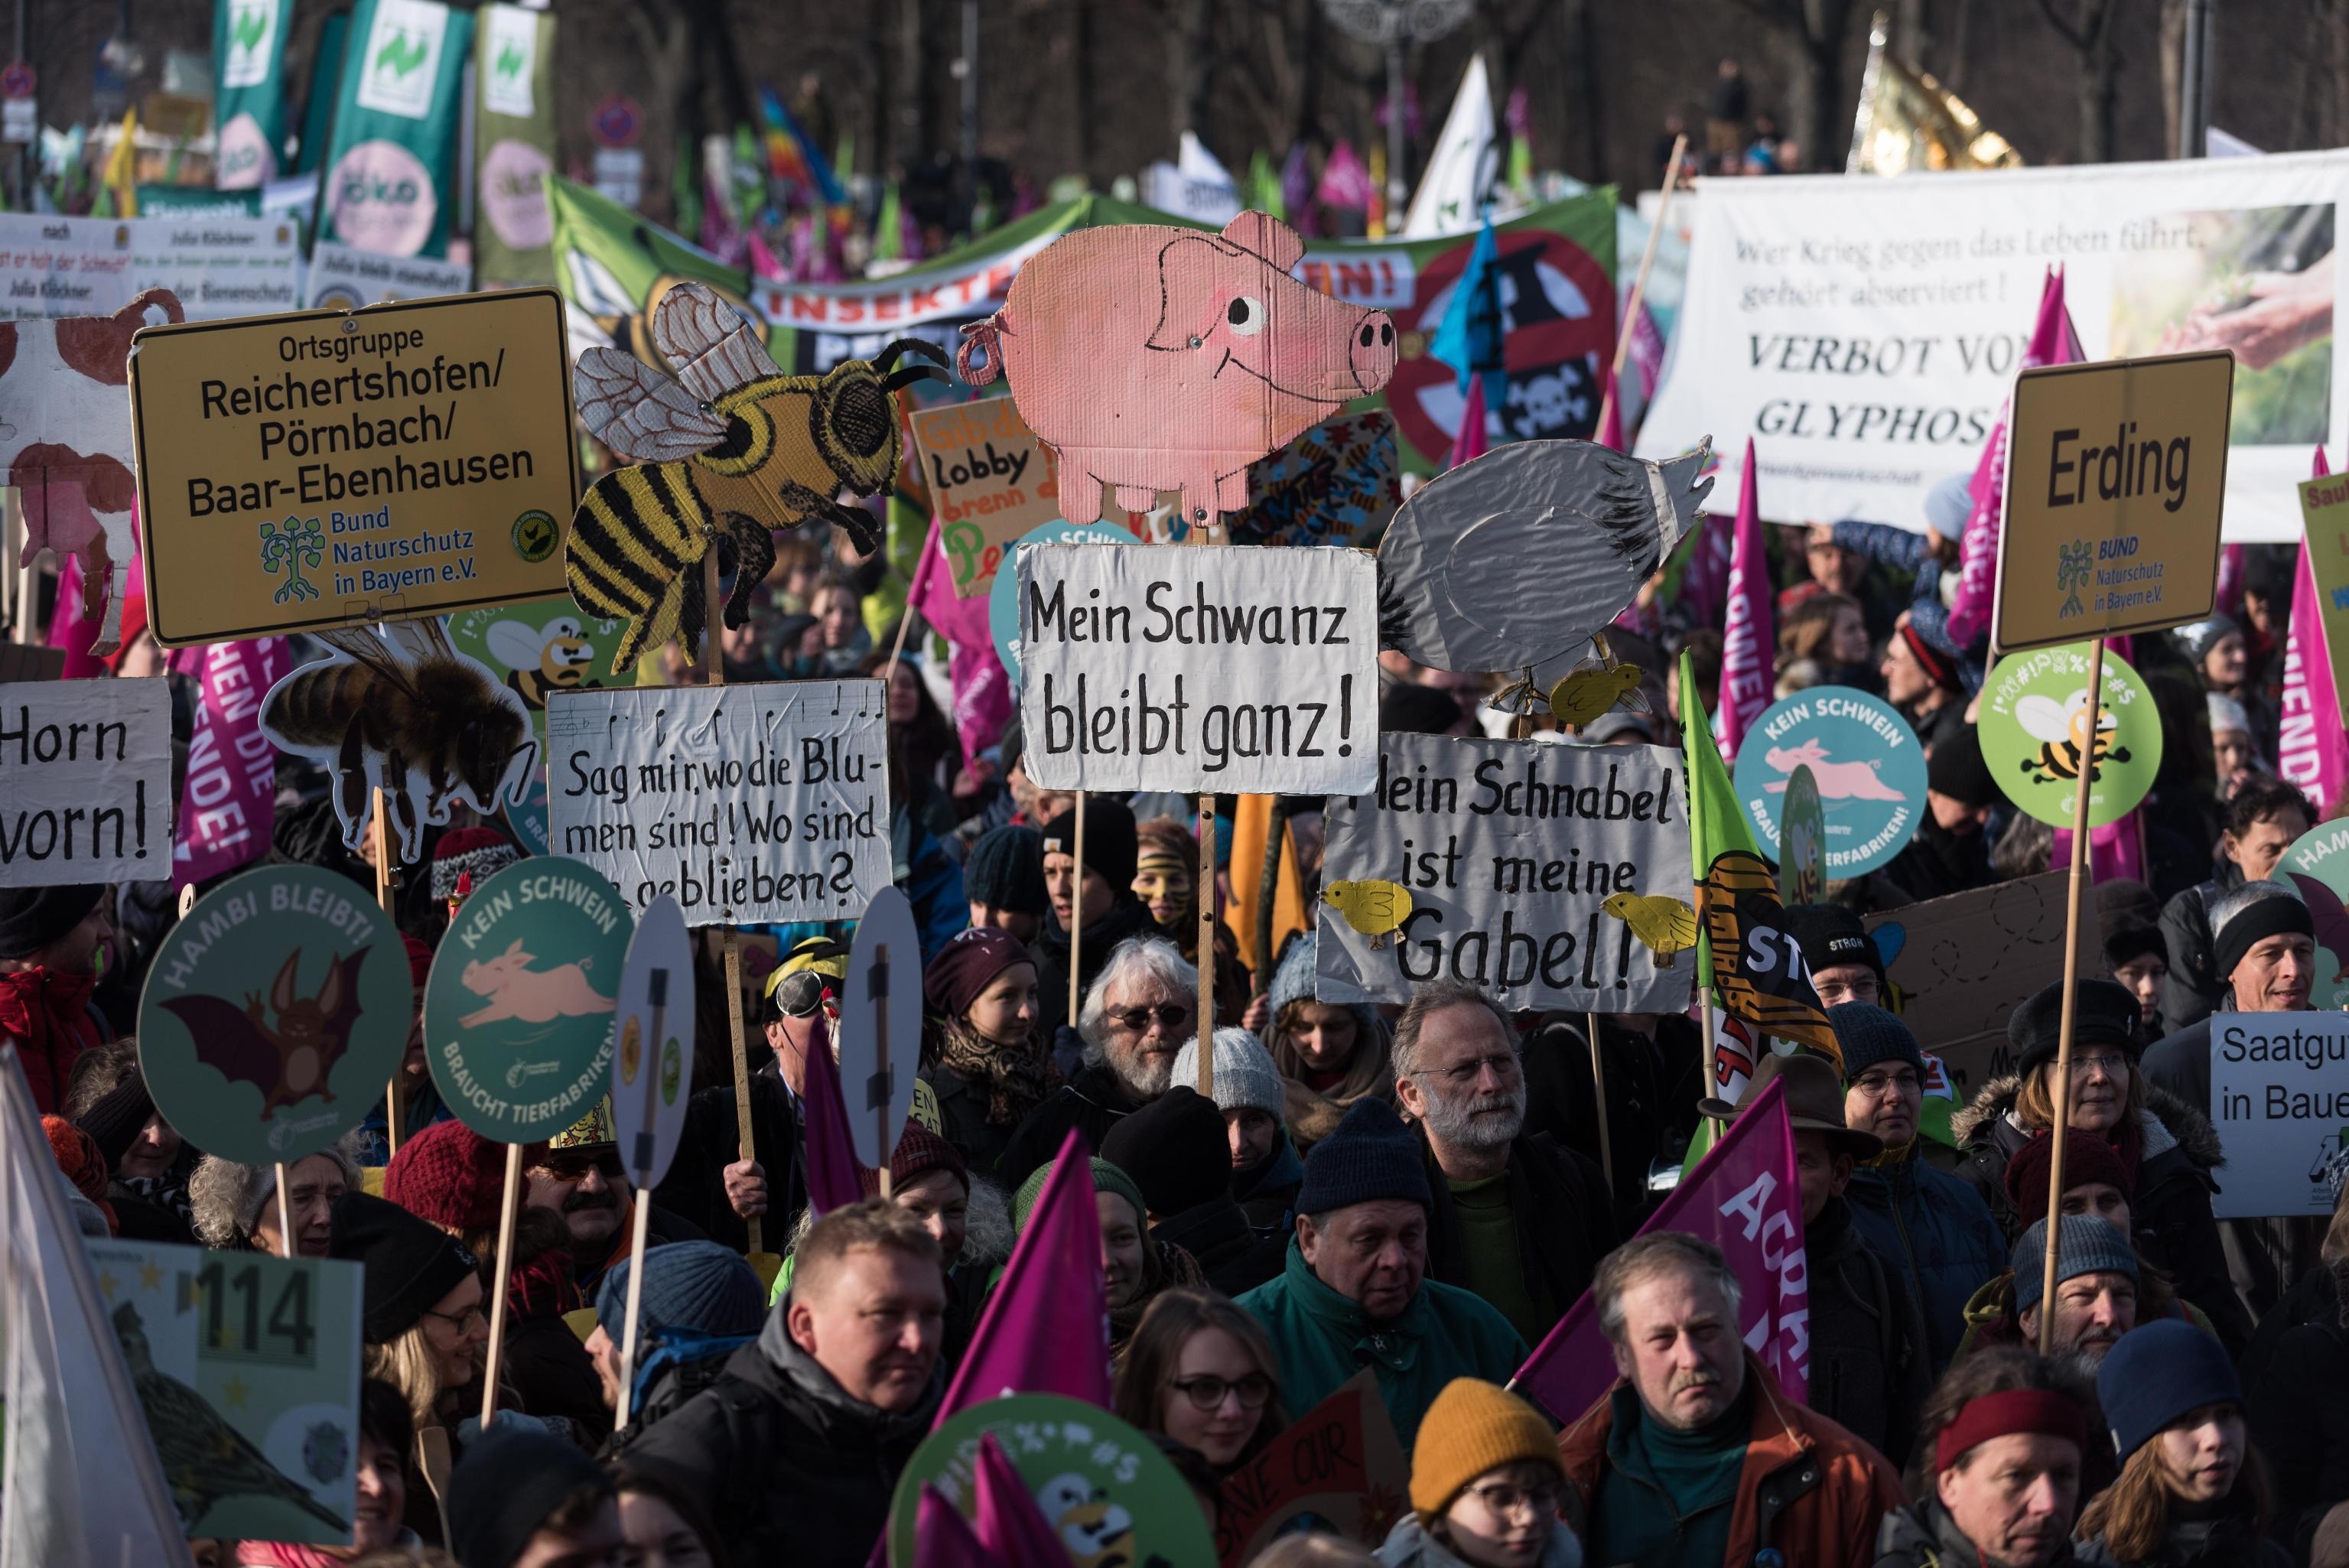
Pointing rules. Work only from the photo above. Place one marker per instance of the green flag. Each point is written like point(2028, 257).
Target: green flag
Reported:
point(394, 150)
point(1264, 185)
point(514, 144)
point(249, 90)
point(613, 266)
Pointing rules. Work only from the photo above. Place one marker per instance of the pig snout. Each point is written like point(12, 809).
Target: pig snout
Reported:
point(1372, 355)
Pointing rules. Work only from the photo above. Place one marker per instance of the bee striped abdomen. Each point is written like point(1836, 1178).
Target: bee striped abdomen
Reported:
point(637, 530)
point(318, 701)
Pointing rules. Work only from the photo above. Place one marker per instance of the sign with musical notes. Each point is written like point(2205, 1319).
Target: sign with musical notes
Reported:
point(767, 801)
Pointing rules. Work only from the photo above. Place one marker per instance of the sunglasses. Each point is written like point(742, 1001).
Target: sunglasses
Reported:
point(1171, 1015)
point(565, 1166)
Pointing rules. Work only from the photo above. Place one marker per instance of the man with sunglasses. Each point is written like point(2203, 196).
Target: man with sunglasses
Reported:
point(1136, 1019)
point(1518, 1220)
point(581, 1177)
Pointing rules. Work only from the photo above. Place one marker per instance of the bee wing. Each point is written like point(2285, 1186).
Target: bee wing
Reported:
point(712, 347)
point(518, 644)
point(421, 639)
point(639, 412)
point(367, 649)
point(2042, 718)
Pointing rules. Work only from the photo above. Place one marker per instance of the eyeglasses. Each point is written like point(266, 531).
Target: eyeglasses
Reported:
point(1875, 1085)
point(463, 1320)
point(1170, 1016)
point(1505, 1065)
point(1208, 1391)
point(1831, 992)
point(2103, 1064)
point(1505, 1499)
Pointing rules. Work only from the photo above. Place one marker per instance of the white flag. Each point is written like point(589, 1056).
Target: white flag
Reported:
point(81, 1487)
point(1467, 161)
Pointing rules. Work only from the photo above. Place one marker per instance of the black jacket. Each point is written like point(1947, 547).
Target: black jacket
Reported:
point(1092, 1102)
point(1870, 1369)
point(791, 1469)
point(695, 1186)
point(2299, 1420)
point(1565, 1222)
point(2170, 1209)
point(1923, 1535)
point(1126, 918)
point(1223, 1245)
point(2191, 989)
point(1939, 862)
point(1267, 1190)
point(962, 1118)
point(1653, 1088)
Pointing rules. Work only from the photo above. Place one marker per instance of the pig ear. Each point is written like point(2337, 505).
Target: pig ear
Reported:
point(1268, 237)
point(1193, 274)
point(514, 947)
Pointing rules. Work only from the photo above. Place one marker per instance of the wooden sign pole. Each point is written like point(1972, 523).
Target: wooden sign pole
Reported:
point(394, 1107)
point(1077, 913)
point(642, 1164)
point(747, 1142)
point(1206, 901)
point(1599, 1099)
point(1639, 283)
point(284, 1213)
point(2061, 1094)
point(498, 1283)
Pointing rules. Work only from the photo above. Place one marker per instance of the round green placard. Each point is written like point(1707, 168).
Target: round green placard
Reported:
point(540, 646)
point(275, 1014)
point(1102, 1487)
point(2034, 735)
point(519, 1009)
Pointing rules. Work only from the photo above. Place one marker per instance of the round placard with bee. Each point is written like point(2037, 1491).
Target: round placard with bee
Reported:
point(2039, 731)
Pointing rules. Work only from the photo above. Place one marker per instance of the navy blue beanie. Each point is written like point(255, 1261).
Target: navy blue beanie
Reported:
point(2154, 1375)
point(1006, 868)
point(1868, 1034)
point(1371, 1155)
point(687, 1284)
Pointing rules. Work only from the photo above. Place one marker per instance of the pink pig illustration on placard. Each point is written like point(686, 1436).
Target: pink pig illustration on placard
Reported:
point(530, 996)
point(1836, 781)
point(1153, 358)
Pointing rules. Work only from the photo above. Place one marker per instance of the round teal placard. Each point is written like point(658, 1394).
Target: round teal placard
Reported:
point(519, 1010)
point(275, 1014)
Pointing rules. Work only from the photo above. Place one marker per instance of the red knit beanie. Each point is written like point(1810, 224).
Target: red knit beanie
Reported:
point(919, 1152)
point(481, 850)
point(449, 1175)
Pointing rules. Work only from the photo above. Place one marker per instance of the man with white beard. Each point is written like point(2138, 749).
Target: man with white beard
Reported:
point(1135, 1020)
point(1519, 1220)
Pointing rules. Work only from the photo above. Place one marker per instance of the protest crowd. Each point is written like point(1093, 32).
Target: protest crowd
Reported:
point(1593, 1047)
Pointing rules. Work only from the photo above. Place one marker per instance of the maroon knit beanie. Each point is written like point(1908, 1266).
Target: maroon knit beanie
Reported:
point(966, 966)
point(919, 1152)
point(449, 1175)
point(2087, 1158)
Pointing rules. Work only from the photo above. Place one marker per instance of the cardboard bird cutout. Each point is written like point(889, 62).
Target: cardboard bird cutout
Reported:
point(730, 450)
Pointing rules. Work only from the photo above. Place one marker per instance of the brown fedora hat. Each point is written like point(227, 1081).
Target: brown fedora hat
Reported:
point(1814, 1101)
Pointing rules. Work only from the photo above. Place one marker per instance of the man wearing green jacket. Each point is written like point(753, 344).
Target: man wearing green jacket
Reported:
point(1355, 1294)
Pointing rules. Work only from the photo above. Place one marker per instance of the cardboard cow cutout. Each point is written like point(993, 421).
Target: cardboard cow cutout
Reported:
point(66, 444)
point(1153, 358)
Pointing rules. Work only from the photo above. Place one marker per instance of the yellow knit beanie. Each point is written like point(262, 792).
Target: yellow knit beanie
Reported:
point(1474, 1427)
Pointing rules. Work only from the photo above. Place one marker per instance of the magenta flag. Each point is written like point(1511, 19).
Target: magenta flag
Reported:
point(2230, 578)
point(943, 1537)
point(1046, 1329)
point(229, 803)
point(982, 691)
point(1748, 639)
point(831, 1168)
point(1345, 181)
point(1743, 1198)
point(1611, 428)
point(2053, 342)
point(1009, 1523)
point(2312, 751)
point(1472, 441)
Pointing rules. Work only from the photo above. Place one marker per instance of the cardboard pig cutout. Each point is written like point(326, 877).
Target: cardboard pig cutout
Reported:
point(65, 443)
point(1153, 358)
point(408, 712)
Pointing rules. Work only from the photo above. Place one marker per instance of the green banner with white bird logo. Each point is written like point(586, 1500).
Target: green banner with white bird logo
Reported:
point(393, 151)
point(513, 145)
point(249, 90)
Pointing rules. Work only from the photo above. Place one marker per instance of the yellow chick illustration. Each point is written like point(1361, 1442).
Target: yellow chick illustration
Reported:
point(1586, 694)
point(1374, 908)
point(1664, 925)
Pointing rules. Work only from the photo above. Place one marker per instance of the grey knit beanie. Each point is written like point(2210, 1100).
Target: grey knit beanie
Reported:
point(1245, 1078)
point(2089, 1245)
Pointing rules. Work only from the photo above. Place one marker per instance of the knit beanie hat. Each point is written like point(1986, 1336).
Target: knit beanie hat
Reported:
point(1868, 1034)
point(1006, 868)
point(2199, 637)
point(2226, 713)
point(687, 1284)
point(1832, 936)
point(1956, 769)
point(1112, 845)
point(1929, 639)
point(2089, 1246)
point(919, 1151)
point(33, 917)
point(2130, 917)
point(509, 1481)
point(2087, 1158)
point(1175, 1149)
point(2104, 1014)
point(78, 1155)
point(419, 961)
point(481, 850)
point(409, 1265)
point(449, 1175)
point(1471, 1428)
point(1292, 981)
point(1107, 1178)
point(967, 964)
point(2154, 1374)
point(1245, 1078)
point(1371, 1155)
point(2249, 916)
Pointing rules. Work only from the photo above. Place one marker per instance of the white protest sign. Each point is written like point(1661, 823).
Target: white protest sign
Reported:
point(1510, 852)
point(2279, 1099)
point(877, 1063)
point(746, 803)
point(85, 781)
point(1864, 333)
point(218, 267)
point(1238, 669)
point(344, 277)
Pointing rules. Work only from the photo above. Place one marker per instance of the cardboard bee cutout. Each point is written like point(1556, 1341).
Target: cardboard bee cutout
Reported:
point(406, 711)
point(729, 450)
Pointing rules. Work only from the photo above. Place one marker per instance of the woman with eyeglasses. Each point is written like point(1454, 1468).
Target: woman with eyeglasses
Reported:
point(1199, 1370)
point(1485, 1485)
point(2166, 1146)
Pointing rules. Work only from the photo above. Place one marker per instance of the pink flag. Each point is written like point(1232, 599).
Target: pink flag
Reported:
point(1611, 428)
point(2053, 342)
point(1748, 640)
point(1744, 1198)
point(229, 803)
point(982, 691)
point(2312, 750)
point(2230, 578)
point(1345, 182)
point(1009, 1523)
point(943, 1537)
point(1472, 441)
point(1046, 1329)
point(832, 1169)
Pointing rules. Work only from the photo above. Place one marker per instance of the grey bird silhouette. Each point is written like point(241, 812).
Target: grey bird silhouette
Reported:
point(204, 1457)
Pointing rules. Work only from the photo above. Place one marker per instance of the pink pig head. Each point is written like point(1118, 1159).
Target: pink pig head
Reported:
point(1151, 358)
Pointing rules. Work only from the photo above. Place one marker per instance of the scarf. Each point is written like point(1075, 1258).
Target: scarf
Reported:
point(2129, 1143)
point(1016, 1078)
point(47, 1014)
point(1164, 1266)
point(169, 1191)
